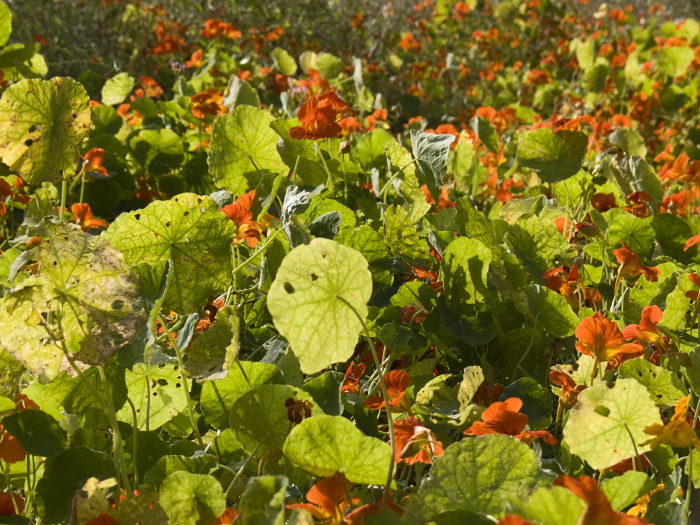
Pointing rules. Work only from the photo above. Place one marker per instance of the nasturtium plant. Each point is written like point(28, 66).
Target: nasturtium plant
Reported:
point(319, 302)
point(42, 124)
point(553, 155)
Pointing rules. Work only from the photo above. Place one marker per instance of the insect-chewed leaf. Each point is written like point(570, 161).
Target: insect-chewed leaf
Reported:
point(607, 424)
point(89, 282)
point(324, 445)
point(307, 302)
point(42, 124)
point(478, 475)
point(190, 231)
point(243, 147)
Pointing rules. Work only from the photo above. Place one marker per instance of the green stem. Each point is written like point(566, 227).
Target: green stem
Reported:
point(240, 470)
point(257, 252)
point(529, 347)
point(393, 177)
point(118, 442)
point(64, 192)
point(135, 449)
point(635, 466)
point(185, 383)
point(689, 487)
point(385, 395)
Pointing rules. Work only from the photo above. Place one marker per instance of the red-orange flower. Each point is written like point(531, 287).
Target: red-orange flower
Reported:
point(692, 242)
point(7, 507)
point(241, 215)
point(630, 267)
point(504, 417)
point(93, 160)
point(397, 381)
point(227, 517)
point(646, 330)
point(415, 443)
point(695, 279)
point(351, 383)
point(84, 217)
point(598, 510)
point(601, 339)
point(568, 395)
point(209, 102)
point(319, 117)
point(328, 500)
point(10, 449)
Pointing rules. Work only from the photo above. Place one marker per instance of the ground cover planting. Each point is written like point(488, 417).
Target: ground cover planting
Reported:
point(445, 271)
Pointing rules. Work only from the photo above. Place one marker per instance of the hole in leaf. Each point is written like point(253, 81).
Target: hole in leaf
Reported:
point(186, 213)
point(640, 374)
point(602, 410)
point(32, 129)
point(167, 224)
point(288, 288)
point(155, 394)
point(314, 277)
point(177, 385)
point(162, 382)
point(137, 216)
point(117, 305)
point(28, 142)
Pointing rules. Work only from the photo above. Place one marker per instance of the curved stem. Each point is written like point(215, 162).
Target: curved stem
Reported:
point(385, 395)
point(134, 449)
point(240, 470)
point(185, 383)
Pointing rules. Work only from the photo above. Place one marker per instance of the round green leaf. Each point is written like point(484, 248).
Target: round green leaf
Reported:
point(466, 265)
point(307, 302)
point(551, 311)
point(324, 445)
point(607, 424)
point(243, 147)
point(478, 475)
point(117, 88)
point(553, 506)
point(666, 387)
point(191, 499)
point(42, 124)
point(5, 23)
point(284, 60)
point(190, 231)
point(37, 432)
point(553, 156)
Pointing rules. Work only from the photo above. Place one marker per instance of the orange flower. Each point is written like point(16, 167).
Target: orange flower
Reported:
point(568, 395)
point(84, 217)
point(603, 202)
point(677, 433)
point(601, 339)
point(227, 517)
point(415, 443)
point(397, 381)
point(598, 510)
point(514, 519)
point(695, 279)
point(7, 507)
point(692, 242)
point(565, 282)
point(351, 383)
point(646, 330)
point(319, 117)
point(102, 519)
point(209, 102)
point(241, 215)
point(10, 449)
point(214, 28)
point(504, 417)
point(328, 500)
point(93, 162)
point(444, 200)
point(630, 267)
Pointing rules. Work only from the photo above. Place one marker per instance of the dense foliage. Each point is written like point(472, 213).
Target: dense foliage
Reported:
point(447, 274)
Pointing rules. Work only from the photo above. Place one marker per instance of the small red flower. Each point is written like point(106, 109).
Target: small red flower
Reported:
point(319, 117)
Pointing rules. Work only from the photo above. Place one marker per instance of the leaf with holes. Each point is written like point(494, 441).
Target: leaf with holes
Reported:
point(312, 301)
point(42, 124)
point(188, 230)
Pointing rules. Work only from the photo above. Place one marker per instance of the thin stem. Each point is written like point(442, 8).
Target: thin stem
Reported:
point(134, 449)
point(240, 470)
point(64, 192)
point(529, 347)
point(689, 487)
point(185, 383)
point(257, 252)
point(634, 445)
point(385, 395)
point(118, 442)
point(391, 179)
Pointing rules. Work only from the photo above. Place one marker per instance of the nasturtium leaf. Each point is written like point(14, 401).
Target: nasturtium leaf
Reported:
point(607, 424)
point(472, 379)
point(90, 283)
point(537, 401)
point(240, 93)
point(430, 151)
point(329, 66)
point(324, 445)
point(92, 500)
point(325, 391)
point(166, 465)
point(243, 147)
point(299, 155)
point(630, 141)
point(262, 503)
point(474, 325)
point(42, 124)
point(551, 311)
point(150, 448)
point(477, 475)
point(372, 246)
point(218, 397)
point(157, 392)
point(192, 499)
point(117, 88)
point(626, 489)
point(474, 225)
point(671, 234)
point(553, 156)
point(5, 23)
point(466, 266)
point(677, 303)
point(284, 60)
point(665, 386)
point(538, 245)
point(64, 475)
point(371, 148)
point(486, 133)
point(552, 506)
point(37, 432)
point(312, 301)
point(402, 236)
point(188, 230)
point(159, 150)
point(261, 415)
point(674, 61)
point(637, 233)
point(214, 352)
